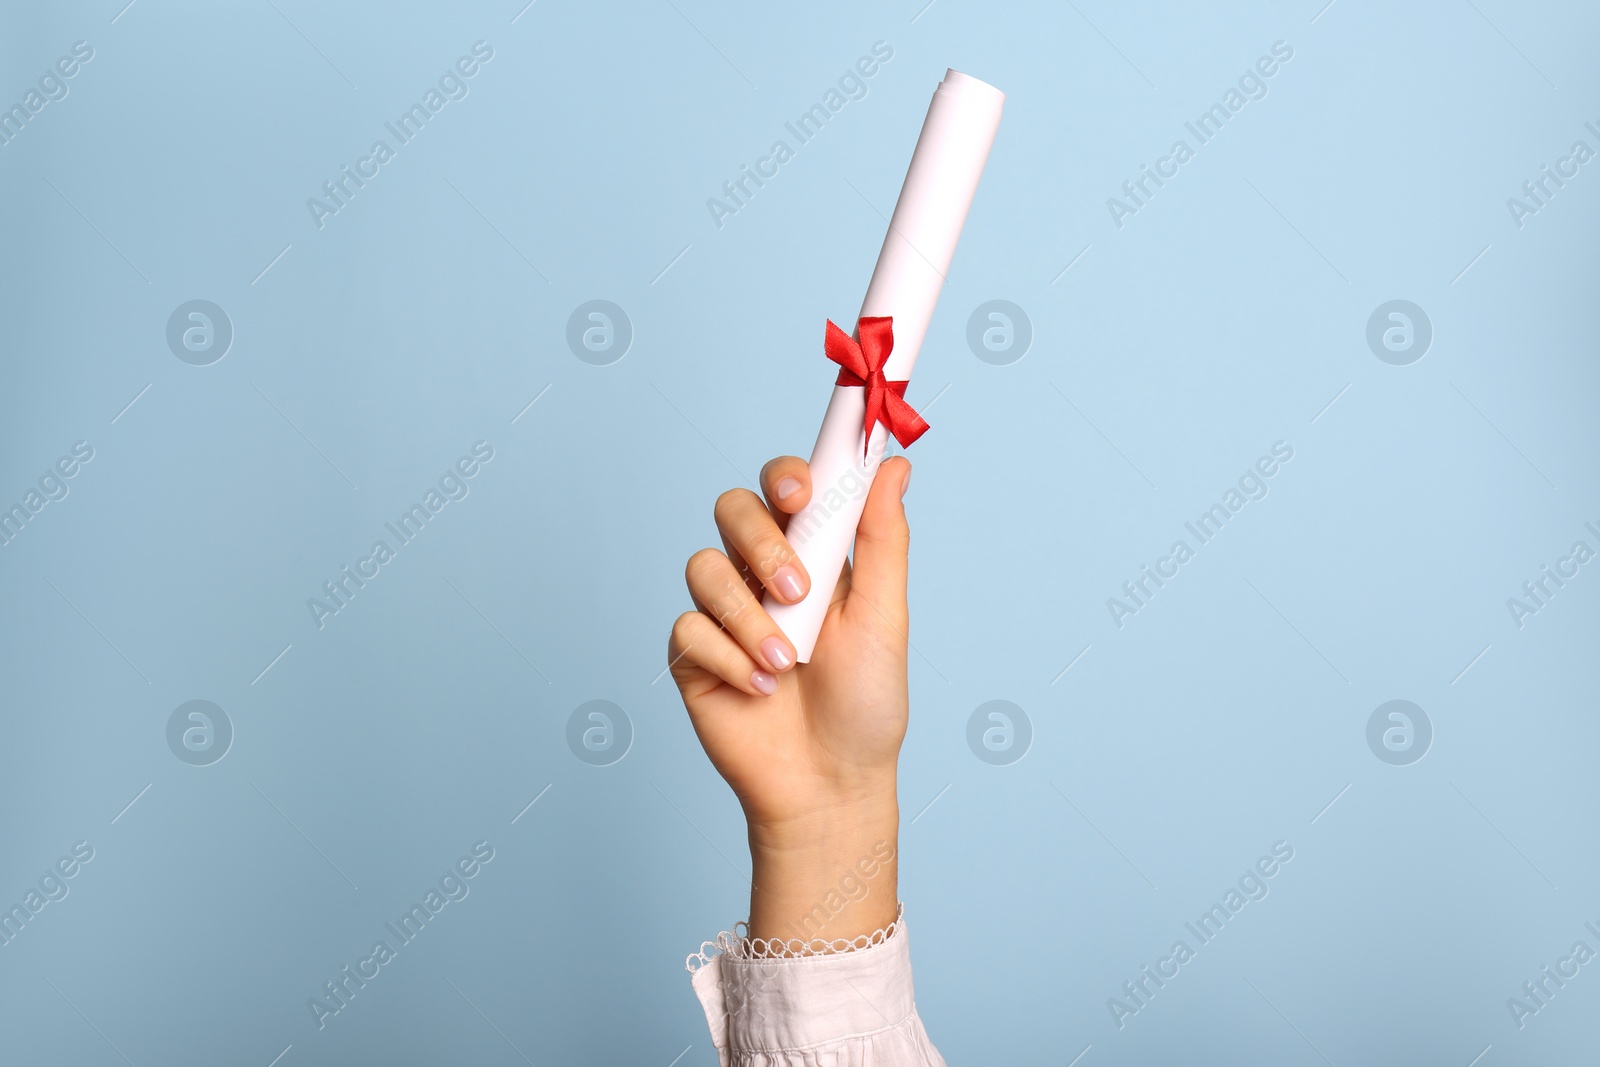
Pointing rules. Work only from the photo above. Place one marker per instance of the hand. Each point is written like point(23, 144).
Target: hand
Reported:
point(810, 750)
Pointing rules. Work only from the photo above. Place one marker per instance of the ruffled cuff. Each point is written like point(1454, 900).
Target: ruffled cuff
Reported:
point(788, 1004)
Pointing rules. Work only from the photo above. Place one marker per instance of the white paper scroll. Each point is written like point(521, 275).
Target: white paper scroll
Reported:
point(933, 204)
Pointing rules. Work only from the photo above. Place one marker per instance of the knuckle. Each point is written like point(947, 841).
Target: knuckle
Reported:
point(896, 535)
point(683, 628)
point(730, 503)
point(735, 600)
point(702, 566)
point(774, 553)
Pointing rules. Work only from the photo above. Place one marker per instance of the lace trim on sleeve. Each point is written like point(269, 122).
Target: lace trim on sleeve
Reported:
point(738, 945)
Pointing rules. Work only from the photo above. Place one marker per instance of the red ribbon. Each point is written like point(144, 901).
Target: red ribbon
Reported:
point(862, 365)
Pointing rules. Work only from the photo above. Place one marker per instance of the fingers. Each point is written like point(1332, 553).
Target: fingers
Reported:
point(699, 643)
point(882, 542)
point(715, 584)
point(731, 637)
point(751, 535)
point(786, 481)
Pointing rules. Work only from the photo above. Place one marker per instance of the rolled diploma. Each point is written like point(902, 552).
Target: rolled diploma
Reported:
point(933, 205)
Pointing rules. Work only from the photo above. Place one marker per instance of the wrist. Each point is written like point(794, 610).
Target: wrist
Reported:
point(824, 817)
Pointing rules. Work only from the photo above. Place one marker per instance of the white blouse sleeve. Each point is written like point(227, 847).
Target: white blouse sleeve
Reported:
point(846, 1004)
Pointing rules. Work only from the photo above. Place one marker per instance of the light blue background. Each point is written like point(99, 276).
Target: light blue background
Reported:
point(1223, 317)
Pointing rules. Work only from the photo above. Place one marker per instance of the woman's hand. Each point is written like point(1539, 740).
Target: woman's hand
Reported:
point(810, 749)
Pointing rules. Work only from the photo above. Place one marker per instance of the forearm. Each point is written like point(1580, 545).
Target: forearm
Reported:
point(830, 876)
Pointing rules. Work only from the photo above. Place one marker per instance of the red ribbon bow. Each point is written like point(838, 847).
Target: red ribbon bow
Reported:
point(862, 364)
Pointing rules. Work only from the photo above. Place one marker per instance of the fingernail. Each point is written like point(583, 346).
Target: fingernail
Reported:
point(764, 682)
point(787, 487)
point(777, 653)
point(787, 582)
point(905, 484)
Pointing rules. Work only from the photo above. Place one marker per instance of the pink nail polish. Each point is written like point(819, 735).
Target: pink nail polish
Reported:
point(777, 653)
point(787, 487)
point(764, 682)
point(787, 582)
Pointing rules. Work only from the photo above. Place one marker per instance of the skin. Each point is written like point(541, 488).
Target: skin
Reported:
point(810, 750)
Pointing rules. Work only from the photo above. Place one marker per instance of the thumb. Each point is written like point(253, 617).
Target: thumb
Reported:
point(882, 541)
